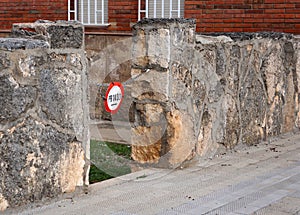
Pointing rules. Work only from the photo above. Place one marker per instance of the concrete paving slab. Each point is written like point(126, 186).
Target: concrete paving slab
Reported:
point(248, 209)
point(250, 181)
point(288, 205)
point(295, 194)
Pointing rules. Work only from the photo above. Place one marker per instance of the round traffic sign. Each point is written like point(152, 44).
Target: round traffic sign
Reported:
point(113, 97)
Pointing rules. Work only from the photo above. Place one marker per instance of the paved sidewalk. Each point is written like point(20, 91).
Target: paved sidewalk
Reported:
point(262, 179)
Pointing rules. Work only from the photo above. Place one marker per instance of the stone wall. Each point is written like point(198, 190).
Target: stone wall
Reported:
point(44, 136)
point(251, 86)
point(193, 93)
point(162, 65)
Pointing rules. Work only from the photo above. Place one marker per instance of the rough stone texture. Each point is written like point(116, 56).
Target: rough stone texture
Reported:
point(20, 43)
point(162, 131)
point(44, 137)
point(252, 92)
point(60, 34)
point(228, 89)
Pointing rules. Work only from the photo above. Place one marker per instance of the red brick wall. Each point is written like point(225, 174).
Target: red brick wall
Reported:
point(13, 11)
point(211, 15)
point(121, 13)
point(121, 16)
point(245, 15)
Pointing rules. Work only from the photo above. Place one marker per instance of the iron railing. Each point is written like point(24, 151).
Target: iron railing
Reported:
point(160, 9)
point(88, 12)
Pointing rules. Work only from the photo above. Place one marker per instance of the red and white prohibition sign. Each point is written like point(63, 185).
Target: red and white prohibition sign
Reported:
point(114, 97)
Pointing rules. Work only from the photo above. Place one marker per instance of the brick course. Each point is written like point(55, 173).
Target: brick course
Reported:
point(245, 15)
point(211, 15)
point(15, 11)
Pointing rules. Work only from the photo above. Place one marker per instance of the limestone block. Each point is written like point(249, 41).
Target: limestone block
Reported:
point(139, 49)
point(28, 69)
point(181, 139)
point(61, 96)
point(44, 137)
point(152, 84)
point(159, 44)
point(147, 144)
point(253, 107)
point(161, 79)
point(181, 86)
point(19, 43)
point(275, 86)
point(289, 56)
point(38, 161)
point(4, 61)
point(60, 34)
point(3, 203)
point(166, 141)
point(232, 129)
point(65, 36)
point(15, 100)
point(228, 88)
point(205, 136)
point(151, 114)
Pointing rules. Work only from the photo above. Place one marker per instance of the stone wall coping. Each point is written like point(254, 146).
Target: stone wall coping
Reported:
point(204, 39)
point(48, 23)
point(21, 43)
point(162, 21)
point(240, 36)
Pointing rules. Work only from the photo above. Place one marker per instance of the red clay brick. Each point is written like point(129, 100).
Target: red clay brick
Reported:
point(211, 15)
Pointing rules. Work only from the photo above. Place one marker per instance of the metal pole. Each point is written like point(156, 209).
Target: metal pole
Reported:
point(178, 8)
point(95, 12)
point(102, 12)
point(163, 9)
point(147, 9)
point(69, 10)
point(75, 10)
point(89, 12)
point(81, 12)
point(171, 8)
point(154, 12)
point(139, 11)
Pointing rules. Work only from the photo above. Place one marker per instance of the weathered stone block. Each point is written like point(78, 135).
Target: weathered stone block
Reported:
point(252, 75)
point(38, 161)
point(60, 34)
point(158, 51)
point(4, 61)
point(181, 139)
point(147, 144)
point(15, 100)
point(227, 89)
point(162, 91)
point(253, 107)
point(153, 84)
point(139, 49)
point(44, 137)
point(59, 90)
point(10, 44)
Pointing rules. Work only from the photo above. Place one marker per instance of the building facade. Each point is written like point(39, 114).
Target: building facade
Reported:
point(118, 16)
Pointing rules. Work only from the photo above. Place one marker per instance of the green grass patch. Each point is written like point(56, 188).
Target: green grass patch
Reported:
point(108, 160)
point(96, 175)
point(120, 149)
